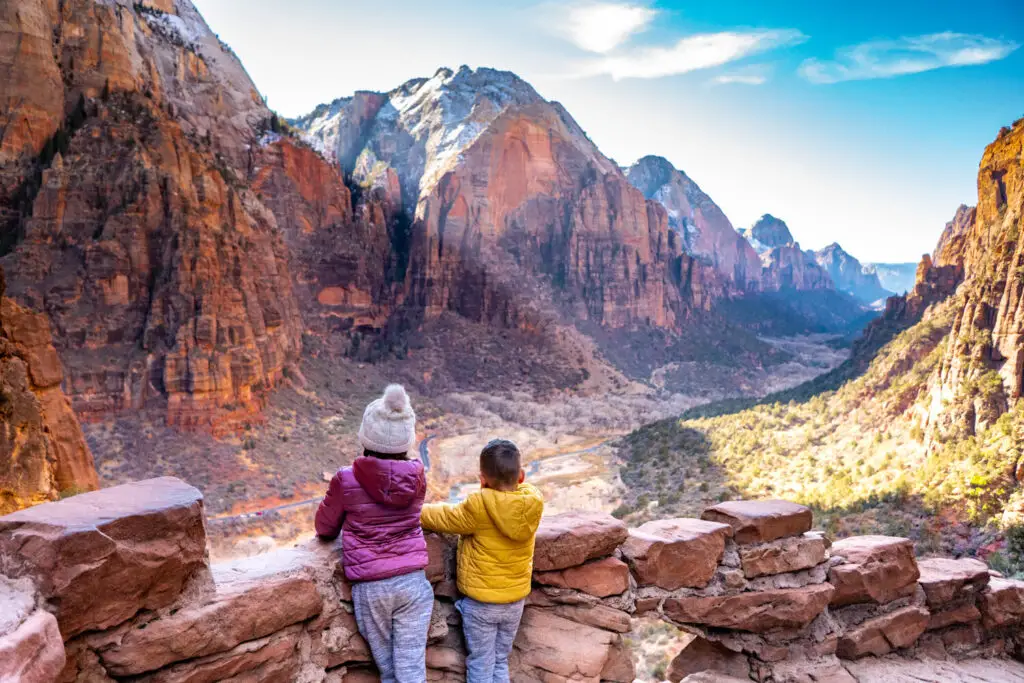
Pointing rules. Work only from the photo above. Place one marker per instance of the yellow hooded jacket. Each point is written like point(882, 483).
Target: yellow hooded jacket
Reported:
point(497, 530)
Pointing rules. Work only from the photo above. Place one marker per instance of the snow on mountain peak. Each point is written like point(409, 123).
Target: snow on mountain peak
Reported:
point(422, 128)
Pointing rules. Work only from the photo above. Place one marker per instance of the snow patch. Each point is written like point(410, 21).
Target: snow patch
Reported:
point(269, 138)
point(173, 27)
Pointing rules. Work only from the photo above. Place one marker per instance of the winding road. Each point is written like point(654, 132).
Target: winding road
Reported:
point(424, 457)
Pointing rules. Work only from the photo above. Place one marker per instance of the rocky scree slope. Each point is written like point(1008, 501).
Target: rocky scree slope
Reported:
point(927, 440)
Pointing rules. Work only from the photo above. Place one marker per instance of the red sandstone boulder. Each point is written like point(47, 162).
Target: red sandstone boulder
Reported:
point(554, 645)
point(756, 612)
point(701, 654)
point(966, 613)
point(945, 581)
point(784, 555)
point(572, 538)
point(250, 602)
point(32, 652)
point(884, 634)
point(760, 521)
point(100, 557)
point(600, 578)
point(673, 553)
point(877, 569)
point(1002, 604)
point(343, 643)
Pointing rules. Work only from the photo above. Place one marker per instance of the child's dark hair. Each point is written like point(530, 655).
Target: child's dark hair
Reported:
point(385, 456)
point(500, 462)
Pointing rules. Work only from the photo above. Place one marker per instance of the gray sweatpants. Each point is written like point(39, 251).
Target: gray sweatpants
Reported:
point(394, 617)
point(490, 630)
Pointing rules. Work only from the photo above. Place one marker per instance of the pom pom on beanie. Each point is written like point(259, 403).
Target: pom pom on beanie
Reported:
point(389, 423)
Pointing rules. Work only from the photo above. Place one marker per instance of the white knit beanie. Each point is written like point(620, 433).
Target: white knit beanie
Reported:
point(389, 423)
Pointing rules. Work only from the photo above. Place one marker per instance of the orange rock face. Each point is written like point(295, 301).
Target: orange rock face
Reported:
point(165, 277)
point(42, 450)
point(525, 201)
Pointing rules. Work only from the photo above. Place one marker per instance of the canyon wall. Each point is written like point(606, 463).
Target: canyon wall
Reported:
point(766, 598)
point(151, 212)
point(42, 451)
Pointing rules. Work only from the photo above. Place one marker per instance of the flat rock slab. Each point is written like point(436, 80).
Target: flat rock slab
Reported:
point(882, 635)
point(249, 603)
point(783, 556)
point(1002, 603)
point(676, 553)
point(100, 557)
point(894, 669)
point(714, 677)
point(600, 578)
point(946, 581)
point(755, 612)
point(33, 652)
point(760, 521)
point(572, 538)
point(877, 569)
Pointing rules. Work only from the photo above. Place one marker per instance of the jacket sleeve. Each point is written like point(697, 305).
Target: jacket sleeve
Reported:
point(449, 519)
point(331, 513)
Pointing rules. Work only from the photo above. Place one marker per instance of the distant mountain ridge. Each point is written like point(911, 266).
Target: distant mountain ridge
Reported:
point(850, 276)
point(704, 227)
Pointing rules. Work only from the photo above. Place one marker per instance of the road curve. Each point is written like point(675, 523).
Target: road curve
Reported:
point(424, 456)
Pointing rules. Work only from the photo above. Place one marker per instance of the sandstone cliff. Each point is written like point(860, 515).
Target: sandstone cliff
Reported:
point(519, 219)
point(149, 210)
point(981, 375)
point(704, 228)
point(42, 451)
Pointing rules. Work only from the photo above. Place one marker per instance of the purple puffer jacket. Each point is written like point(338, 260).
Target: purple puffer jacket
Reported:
point(376, 503)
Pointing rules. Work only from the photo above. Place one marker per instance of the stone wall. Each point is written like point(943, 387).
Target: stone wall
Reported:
point(115, 585)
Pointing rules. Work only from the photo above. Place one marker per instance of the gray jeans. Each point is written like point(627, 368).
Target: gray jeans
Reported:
point(490, 630)
point(394, 617)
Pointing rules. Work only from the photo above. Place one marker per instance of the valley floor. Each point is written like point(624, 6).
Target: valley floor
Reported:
point(262, 484)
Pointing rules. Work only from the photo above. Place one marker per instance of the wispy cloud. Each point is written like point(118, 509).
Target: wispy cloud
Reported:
point(908, 55)
point(599, 26)
point(755, 74)
point(691, 53)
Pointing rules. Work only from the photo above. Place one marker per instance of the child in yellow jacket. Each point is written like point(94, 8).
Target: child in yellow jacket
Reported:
point(497, 526)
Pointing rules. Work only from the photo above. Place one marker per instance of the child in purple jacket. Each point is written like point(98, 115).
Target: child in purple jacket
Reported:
point(376, 503)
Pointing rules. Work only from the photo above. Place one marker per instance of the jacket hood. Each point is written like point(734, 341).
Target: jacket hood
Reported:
point(395, 483)
point(516, 513)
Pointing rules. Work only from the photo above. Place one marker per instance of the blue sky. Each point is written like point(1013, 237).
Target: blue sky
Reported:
point(861, 123)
